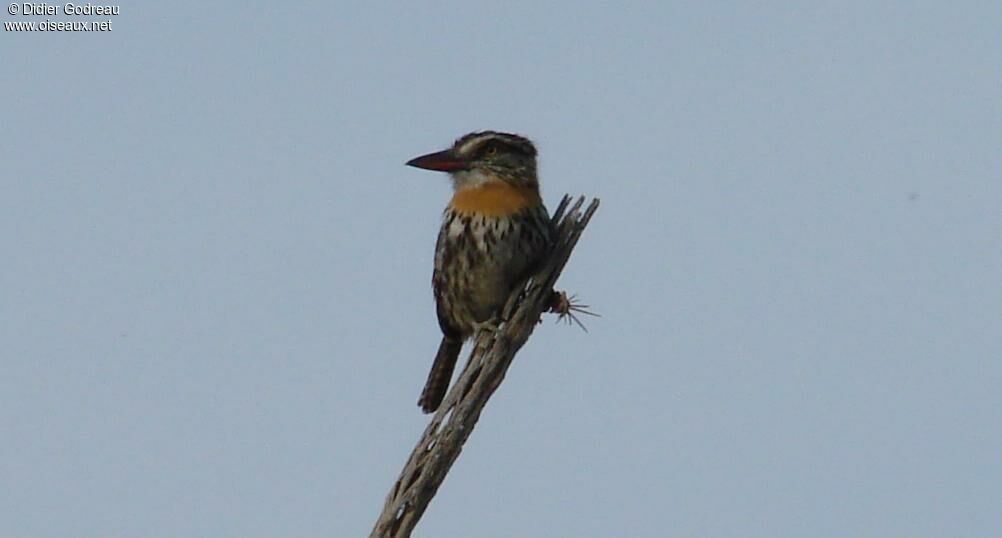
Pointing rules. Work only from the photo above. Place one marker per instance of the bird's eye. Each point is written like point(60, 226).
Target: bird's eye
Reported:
point(491, 150)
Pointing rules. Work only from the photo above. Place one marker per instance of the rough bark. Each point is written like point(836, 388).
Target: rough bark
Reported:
point(452, 424)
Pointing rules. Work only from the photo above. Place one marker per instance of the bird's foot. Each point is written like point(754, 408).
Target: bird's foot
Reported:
point(490, 326)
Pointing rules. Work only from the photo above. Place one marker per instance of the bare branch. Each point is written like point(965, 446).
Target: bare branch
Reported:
point(443, 438)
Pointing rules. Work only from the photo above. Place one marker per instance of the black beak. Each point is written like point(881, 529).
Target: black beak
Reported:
point(442, 161)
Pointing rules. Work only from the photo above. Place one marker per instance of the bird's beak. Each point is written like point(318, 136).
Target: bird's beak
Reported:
point(443, 161)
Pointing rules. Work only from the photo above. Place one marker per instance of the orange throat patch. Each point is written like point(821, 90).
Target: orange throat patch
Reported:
point(494, 198)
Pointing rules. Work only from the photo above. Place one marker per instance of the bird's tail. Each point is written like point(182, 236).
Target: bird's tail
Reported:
point(440, 374)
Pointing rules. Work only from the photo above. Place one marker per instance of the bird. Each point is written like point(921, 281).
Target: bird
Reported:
point(495, 232)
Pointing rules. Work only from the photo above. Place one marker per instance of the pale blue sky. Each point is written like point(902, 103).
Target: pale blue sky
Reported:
point(217, 313)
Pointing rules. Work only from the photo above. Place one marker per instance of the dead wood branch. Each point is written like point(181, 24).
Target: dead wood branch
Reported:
point(455, 419)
